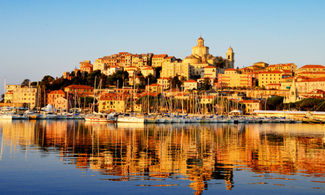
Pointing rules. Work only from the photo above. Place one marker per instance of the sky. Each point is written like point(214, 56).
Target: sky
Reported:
point(46, 37)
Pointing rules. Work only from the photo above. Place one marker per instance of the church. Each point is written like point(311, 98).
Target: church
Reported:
point(193, 65)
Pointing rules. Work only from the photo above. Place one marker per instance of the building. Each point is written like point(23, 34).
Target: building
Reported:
point(111, 70)
point(175, 69)
point(79, 90)
point(190, 85)
point(251, 105)
point(287, 67)
point(21, 96)
point(86, 66)
point(111, 102)
point(99, 64)
point(234, 78)
point(159, 59)
point(312, 71)
point(271, 77)
point(194, 64)
point(164, 81)
point(210, 72)
point(154, 88)
point(147, 70)
point(304, 85)
point(53, 95)
point(61, 104)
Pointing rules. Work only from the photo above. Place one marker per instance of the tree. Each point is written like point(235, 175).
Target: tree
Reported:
point(120, 76)
point(2, 98)
point(176, 83)
point(26, 82)
point(205, 84)
point(151, 79)
point(274, 103)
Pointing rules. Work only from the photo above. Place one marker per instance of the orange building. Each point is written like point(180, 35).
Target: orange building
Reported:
point(312, 71)
point(234, 78)
point(86, 66)
point(158, 59)
point(53, 95)
point(80, 90)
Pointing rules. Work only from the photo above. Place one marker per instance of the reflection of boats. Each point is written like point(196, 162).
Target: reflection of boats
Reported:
point(100, 117)
point(6, 117)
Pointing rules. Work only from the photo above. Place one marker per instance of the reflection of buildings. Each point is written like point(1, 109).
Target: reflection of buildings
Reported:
point(199, 152)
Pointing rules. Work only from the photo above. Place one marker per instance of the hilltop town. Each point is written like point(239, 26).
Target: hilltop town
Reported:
point(200, 83)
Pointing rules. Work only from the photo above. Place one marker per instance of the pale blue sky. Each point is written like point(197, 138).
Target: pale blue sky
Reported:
point(50, 37)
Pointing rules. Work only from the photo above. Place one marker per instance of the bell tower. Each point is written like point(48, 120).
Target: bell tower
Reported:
point(230, 56)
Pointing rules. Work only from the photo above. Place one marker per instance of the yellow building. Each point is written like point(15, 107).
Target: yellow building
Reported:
point(233, 78)
point(61, 104)
point(165, 82)
point(21, 96)
point(289, 67)
point(158, 60)
point(154, 88)
point(99, 64)
point(111, 103)
point(147, 70)
point(271, 77)
point(251, 105)
point(172, 69)
point(190, 85)
point(312, 71)
point(210, 72)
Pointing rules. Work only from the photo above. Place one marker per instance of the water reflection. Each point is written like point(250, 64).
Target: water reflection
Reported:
point(198, 153)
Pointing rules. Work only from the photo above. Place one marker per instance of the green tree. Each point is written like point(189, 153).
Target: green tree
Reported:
point(274, 103)
point(120, 77)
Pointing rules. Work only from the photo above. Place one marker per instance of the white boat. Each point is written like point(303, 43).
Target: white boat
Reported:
point(130, 119)
point(99, 117)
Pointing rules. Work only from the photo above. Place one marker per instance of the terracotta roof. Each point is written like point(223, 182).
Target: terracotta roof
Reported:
point(210, 67)
point(79, 87)
point(230, 69)
point(312, 66)
point(190, 81)
point(311, 73)
point(314, 80)
point(275, 65)
point(160, 56)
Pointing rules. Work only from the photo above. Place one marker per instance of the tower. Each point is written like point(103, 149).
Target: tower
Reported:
point(200, 42)
point(230, 56)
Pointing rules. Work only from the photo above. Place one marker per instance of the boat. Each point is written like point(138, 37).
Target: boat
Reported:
point(100, 117)
point(130, 119)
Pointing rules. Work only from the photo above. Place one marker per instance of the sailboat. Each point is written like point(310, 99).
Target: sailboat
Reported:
point(99, 117)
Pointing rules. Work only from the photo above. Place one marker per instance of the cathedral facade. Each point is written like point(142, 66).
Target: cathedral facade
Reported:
point(195, 63)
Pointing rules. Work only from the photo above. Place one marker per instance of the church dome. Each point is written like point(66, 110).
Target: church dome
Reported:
point(192, 59)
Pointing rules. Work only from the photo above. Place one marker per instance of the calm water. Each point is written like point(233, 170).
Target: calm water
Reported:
point(82, 158)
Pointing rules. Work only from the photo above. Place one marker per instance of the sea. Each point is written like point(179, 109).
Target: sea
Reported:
point(77, 157)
